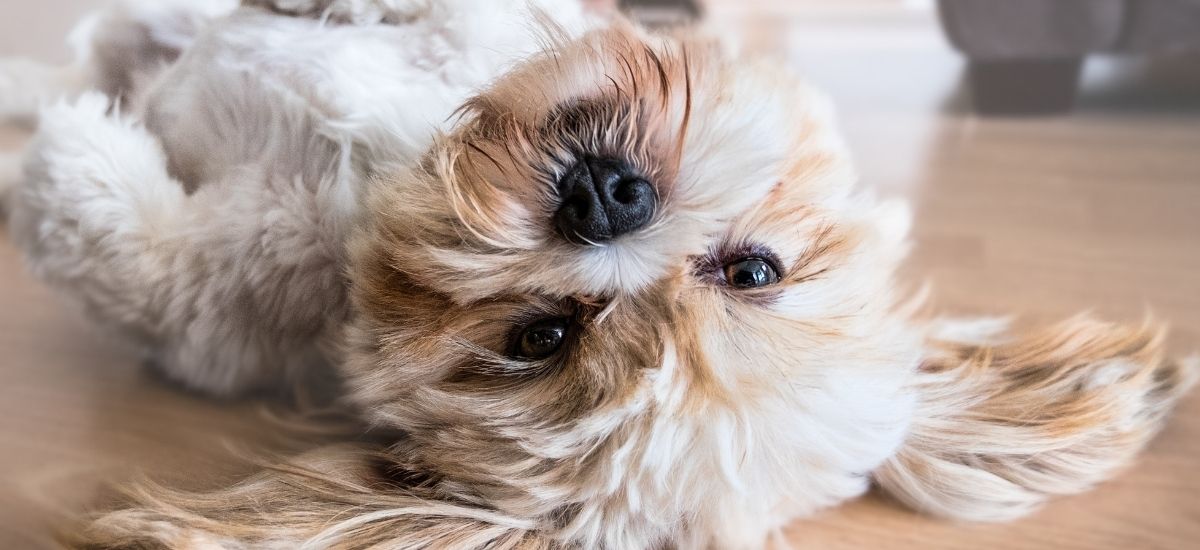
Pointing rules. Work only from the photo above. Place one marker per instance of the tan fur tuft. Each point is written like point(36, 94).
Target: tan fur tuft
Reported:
point(338, 497)
point(1005, 424)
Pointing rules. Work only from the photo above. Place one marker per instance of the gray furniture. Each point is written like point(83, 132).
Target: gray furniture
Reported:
point(1025, 55)
point(662, 13)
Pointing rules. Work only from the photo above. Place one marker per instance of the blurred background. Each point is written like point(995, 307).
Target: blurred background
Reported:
point(1051, 149)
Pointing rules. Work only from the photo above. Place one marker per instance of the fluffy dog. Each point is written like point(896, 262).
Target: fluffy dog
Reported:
point(617, 290)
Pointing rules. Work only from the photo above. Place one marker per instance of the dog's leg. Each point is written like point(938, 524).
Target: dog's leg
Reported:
point(93, 199)
point(132, 41)
point(228, 288)
point(1003, 424)
point(343, 496)
point(117, 50)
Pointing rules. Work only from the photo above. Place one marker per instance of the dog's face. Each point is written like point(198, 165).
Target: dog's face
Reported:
point(632, 282)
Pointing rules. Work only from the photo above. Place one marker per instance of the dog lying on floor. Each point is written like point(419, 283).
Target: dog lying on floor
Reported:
point(617, 290)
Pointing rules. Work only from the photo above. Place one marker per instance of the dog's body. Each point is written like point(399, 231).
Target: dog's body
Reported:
point(724, 350)
point(248, 157)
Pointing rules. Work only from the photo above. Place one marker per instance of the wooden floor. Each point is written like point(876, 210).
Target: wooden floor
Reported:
point(1042, 217)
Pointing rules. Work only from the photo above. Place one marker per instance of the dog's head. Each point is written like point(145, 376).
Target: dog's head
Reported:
point(633, 282)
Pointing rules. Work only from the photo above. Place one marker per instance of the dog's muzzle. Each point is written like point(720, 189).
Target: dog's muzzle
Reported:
point(603, 198)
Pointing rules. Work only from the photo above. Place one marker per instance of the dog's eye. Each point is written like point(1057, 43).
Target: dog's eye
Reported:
point(541, 339)
point(751, 273)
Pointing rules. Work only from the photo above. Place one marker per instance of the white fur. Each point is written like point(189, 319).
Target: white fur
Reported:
point(207, 220)
point(269, 124)
point(272, 124)
point(200, 197)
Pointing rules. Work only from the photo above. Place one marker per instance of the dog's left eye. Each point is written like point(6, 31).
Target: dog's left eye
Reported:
point(541, 339)
point(751, 273)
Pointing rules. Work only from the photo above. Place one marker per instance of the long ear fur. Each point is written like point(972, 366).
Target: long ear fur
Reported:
point(341, 497)
point(1003, 424)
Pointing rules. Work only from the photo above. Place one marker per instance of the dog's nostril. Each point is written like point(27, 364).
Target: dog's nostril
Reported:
point(603, 199)
point(634, 191)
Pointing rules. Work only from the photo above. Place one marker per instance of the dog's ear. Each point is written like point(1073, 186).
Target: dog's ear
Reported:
point(1003, 423)
point(340, 496)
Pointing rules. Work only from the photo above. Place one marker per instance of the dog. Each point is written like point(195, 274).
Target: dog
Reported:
point(615, 289)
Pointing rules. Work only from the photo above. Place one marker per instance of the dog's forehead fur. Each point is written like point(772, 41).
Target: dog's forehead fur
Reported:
point(713, 137)
point(462, 250)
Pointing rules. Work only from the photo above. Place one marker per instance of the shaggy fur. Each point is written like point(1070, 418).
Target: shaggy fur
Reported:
point(370, 185)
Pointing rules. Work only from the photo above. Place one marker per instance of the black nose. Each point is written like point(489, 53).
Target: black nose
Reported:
point(602, 199)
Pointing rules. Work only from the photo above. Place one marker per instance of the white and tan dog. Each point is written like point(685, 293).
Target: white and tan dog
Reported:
point(617, 290)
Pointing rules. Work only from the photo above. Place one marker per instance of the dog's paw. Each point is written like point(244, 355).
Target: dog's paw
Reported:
point(90, 152)
point(88, 175)
point(62, 147)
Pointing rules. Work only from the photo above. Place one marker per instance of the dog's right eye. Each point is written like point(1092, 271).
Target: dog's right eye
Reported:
point(751, 273)
point(541, 339)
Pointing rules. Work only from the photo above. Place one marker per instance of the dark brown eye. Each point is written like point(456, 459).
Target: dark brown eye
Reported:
point(751, 273)
point(541, 339)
